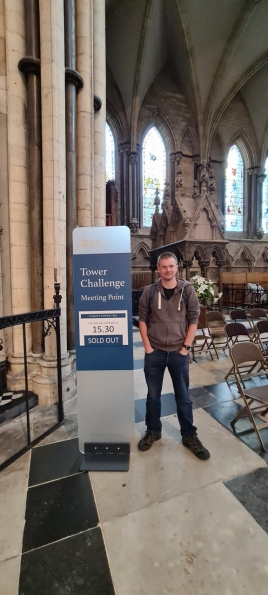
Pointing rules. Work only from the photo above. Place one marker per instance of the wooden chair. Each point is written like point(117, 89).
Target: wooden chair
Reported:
point(216, 327)
point(250, 354)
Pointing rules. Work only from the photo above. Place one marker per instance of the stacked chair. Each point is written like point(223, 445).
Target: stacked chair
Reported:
point(247, 356)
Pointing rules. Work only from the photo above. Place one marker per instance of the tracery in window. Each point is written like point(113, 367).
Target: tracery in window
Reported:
point(110, 154)
point(234, 191)
point(265, 200)
point(154, 172)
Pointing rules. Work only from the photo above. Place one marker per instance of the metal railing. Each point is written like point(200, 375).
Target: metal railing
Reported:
point(51, 320)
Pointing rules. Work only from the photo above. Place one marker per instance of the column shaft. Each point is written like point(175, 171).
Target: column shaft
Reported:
point(54, 166)
point(30, 65)
point(85, 114)
point(100, 116)
point(17, 169)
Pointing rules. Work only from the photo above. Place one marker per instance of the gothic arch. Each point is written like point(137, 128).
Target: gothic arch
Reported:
point(263, 253)
point(241, 140)
point(188, 133)
point(245, 253)
point(229, 259)
point(162, 124)
point(216, 140)
point(141, 247)
point(115, 124)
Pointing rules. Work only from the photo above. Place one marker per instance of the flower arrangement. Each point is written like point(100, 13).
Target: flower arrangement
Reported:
point(204, 290)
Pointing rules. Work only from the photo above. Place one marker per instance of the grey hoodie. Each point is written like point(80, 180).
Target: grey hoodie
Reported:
point(169, 319)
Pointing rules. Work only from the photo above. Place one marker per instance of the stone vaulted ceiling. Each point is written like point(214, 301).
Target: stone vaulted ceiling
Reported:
point(217, 49)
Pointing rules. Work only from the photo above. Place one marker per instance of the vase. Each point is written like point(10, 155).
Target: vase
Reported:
point(203, 315)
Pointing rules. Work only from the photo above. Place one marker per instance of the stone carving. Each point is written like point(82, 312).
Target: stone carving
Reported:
point(211, 184)
point(179, 178)
point(134, 226)
point(260, 233)
point(157, 201)
point(195, 190)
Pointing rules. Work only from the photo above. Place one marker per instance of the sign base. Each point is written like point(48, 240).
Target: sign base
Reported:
point(106, 456)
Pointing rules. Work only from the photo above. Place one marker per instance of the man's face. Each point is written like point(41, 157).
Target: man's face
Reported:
point(167, 268)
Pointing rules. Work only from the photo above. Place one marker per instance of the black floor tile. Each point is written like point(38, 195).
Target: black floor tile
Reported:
point(225, 412)
point(168, 405)
point(222, 391)
point(138, 415)
point(251, 491)
point(200, 397)
point(58, 509)
point(54, 461)
point(74, 566)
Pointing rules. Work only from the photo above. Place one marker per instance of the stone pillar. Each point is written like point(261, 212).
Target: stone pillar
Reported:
point(204, 265)
point(172, 158)
point(187, 265)
point(124, 149)
point(4, 207)
point(30, 66)
point(250, 203)
point(260, 180)
point(73, 81)
point(54, 190)
point(85, 114)
point(99, 59)
point(17, 177)
point(133, 190)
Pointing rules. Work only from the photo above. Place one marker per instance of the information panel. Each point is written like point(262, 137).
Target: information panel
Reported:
point(103, 330)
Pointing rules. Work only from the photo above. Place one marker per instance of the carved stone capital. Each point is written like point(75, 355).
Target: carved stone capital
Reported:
point(133, 157)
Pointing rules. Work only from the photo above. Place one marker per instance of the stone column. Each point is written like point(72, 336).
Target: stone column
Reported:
point(73, 81)
point(99, 59)
point(124, 149)
point(54, 187)
point(172, 158)
point(187, 265)
point(250, 203)
point(85, 114)
point(260, 180)
point(17, 177)
point(4, 207)
point(30, 66)
point(133, 190)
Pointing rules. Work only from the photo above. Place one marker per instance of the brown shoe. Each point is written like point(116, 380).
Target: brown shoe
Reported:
point(147, 441)
point(197, 448)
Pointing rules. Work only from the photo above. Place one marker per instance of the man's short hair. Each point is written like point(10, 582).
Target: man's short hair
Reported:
point(165, 255)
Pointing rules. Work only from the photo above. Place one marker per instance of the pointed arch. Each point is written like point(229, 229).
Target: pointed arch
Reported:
point(188, 139)
point(110, 154)
point(161, 122)
point(245, 253)
point(154, 171)
point(141, 247)
point(234, 190)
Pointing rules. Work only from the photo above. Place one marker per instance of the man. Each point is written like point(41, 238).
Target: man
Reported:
point(168, 317)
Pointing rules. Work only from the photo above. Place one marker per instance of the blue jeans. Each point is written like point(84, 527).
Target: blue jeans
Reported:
point(178, 367)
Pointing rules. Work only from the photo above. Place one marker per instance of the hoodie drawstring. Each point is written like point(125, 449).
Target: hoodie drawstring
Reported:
point(180, 300)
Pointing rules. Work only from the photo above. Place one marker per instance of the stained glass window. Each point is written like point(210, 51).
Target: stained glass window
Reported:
point(234, 191)
point(154, 172)
point(265, 200)
point(110, 151)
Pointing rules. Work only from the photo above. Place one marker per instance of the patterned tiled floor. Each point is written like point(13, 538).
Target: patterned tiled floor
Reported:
point(171, 524)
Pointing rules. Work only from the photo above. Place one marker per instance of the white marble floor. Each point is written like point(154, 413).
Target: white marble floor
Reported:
point(170, 524)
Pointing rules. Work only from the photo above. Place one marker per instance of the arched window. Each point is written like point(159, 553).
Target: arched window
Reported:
point(234, 191)
point(265, 200)
point(154, 172)
point(110, 152)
